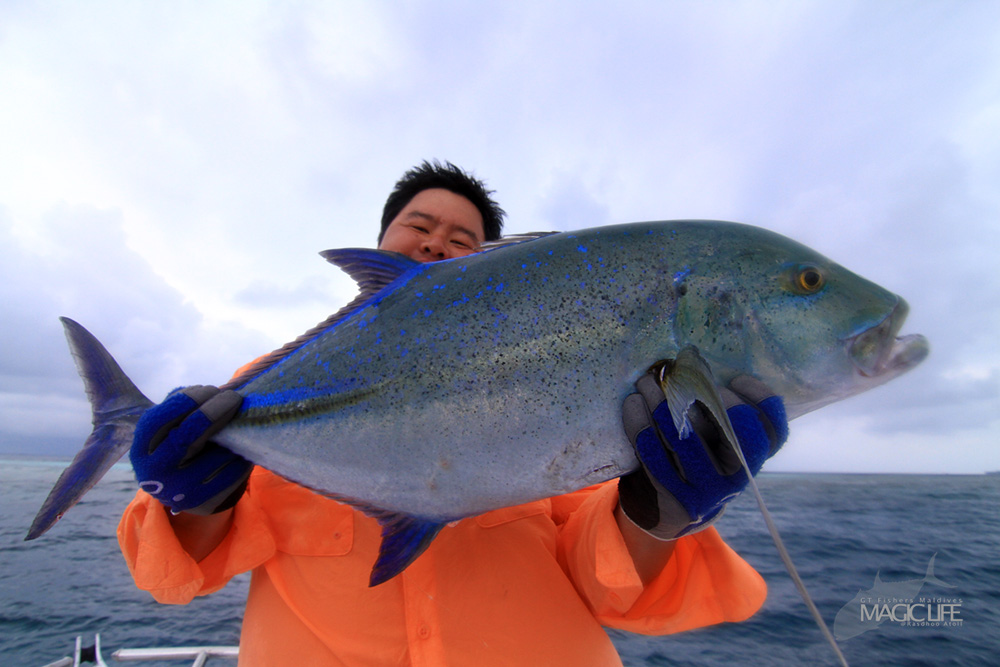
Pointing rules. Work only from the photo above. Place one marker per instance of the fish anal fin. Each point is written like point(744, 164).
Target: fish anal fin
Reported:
point(404, 537)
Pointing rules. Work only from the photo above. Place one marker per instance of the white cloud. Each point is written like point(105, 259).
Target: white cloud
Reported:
point(171, 170)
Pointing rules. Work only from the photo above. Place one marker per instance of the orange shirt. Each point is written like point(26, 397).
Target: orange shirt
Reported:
point(531, 584)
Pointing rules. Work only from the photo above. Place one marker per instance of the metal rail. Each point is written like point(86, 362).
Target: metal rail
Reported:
point(92, 654)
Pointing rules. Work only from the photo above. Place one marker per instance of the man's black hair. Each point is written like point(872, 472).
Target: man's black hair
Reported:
point(448, 177)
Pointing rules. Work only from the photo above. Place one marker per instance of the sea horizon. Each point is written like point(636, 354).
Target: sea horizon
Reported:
point(845, 532)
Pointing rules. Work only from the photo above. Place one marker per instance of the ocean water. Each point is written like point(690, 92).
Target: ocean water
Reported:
point(840, 529)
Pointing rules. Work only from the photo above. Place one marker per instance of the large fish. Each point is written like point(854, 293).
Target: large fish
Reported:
point(450, 389)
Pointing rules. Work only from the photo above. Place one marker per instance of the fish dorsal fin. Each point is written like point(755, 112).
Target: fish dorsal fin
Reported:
point(514, 239)
point(373, 270)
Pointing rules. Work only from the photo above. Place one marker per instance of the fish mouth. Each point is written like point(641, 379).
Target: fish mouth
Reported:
point(878, 352)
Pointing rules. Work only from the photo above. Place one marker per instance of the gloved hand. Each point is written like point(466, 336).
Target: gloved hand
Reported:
point(684, 484)
point(173, 456)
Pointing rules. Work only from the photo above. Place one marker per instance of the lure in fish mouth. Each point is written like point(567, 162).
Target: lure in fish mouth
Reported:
point(879, 353)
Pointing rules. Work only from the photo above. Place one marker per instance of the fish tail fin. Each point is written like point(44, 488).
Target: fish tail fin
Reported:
point(929, 578)
point(117, 405)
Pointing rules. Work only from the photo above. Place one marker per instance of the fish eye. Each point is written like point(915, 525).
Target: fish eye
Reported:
point(809, 279)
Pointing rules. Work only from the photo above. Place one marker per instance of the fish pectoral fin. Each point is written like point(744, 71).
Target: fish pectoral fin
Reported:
point(687, 379)
point(404, 537)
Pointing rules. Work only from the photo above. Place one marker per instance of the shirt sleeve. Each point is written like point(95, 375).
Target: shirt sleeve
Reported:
point(705, 582)
point(160, 565)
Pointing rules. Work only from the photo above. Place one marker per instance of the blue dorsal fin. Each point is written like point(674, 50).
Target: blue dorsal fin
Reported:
point(404, 537)
point(373, 270)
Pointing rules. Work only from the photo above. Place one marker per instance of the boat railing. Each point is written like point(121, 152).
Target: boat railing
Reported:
point(92, 654)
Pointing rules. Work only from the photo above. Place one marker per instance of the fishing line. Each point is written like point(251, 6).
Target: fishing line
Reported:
point(687, 379)
point(783, 552)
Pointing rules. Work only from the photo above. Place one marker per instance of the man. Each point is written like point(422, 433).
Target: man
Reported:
point(531, 584)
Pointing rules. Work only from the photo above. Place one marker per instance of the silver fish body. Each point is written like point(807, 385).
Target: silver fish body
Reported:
point(496, 379)
point(450, 389)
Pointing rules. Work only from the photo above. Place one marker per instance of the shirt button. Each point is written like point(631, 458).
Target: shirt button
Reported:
point(424, 632)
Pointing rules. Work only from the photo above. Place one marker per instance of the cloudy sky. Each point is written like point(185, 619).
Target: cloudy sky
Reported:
point(169, 170)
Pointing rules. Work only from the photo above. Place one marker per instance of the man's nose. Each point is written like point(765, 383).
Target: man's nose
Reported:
point(435, 247)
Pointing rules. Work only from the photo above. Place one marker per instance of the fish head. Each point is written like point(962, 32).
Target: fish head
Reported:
point(812, 330)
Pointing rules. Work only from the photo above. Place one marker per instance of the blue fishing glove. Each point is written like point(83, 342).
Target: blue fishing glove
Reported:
point(173, 456)
point(684, 484)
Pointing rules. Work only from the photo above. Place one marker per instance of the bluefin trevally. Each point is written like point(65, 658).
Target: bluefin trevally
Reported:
point(450, 389)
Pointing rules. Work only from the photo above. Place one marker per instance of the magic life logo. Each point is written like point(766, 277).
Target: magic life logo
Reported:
point(899, 602)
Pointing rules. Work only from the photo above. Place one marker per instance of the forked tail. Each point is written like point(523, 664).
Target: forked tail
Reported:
point(117, 406)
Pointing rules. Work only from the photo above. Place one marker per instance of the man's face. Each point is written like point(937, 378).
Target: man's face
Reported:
point(437, 224)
